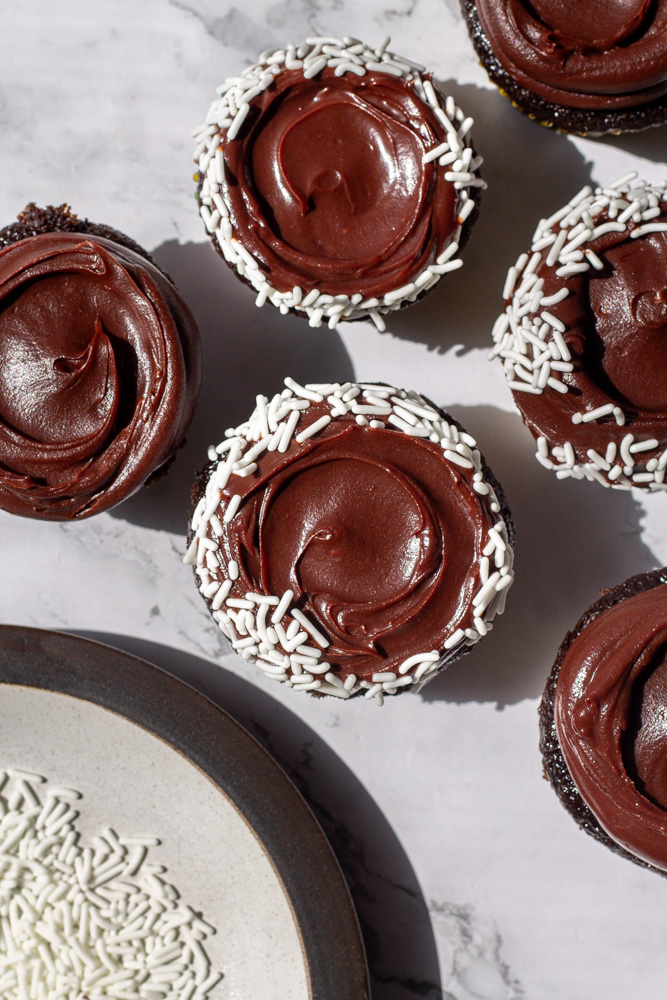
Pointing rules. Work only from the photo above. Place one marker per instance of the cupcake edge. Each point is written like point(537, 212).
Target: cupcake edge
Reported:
point(241, 453)
point(226, 116)
point(554, 768)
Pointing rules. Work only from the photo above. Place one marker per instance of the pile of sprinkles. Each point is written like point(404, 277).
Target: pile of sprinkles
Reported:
point(225, 118)
point(532, 341)
point(268, 629)
point(88, 922)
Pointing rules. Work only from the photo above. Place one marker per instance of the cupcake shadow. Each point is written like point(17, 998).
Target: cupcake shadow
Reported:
point(648, 145)
point(245, 351)
point(393, 914)
point(530, 171)
point(573, 539)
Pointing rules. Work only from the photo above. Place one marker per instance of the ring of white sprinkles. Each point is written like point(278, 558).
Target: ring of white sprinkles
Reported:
point(531, 341)
point(88, 921)
point(267, 629)
point(345, 55)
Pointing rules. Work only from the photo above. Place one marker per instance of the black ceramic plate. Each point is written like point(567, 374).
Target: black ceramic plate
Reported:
point(144, 747)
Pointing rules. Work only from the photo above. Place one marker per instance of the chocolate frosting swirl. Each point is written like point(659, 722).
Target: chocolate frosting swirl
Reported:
point(99, 373)
point(616, 332)
point(327, 187)
point(377, 536)
point(609, 714)
point(603, 54)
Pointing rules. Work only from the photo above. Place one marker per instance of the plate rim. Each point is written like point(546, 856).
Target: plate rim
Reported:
point(214, 742)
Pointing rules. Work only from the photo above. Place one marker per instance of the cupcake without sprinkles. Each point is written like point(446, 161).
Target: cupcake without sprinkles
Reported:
point(590, 67)
point(583, 337)
point(350, 539)
point(336, 181)
point(99, 366)
point(602, 732)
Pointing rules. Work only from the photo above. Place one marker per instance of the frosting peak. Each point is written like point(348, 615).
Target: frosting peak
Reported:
point(98, 374)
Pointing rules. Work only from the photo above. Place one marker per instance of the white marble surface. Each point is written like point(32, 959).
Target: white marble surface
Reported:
point(471, 881)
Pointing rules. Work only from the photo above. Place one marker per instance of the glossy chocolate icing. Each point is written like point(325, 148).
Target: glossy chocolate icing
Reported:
point(327, 187)
point(609, 713)
point(376, 534)
point(616, 323)
point(99, 374)
point(602, 54)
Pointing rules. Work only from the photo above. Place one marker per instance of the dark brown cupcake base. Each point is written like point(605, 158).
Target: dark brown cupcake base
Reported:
point(34, 221)
point(554, 766)
point(578, 120)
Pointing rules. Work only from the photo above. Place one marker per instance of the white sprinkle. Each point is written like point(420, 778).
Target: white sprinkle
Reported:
point(624, 450)
point(283, 605)
point(552, 300)
point(319, 638)
point(232, 508)
point(305, 393)
point(569, 269)
point(292, 421)
point(600, 411)
point(647, 445)
point(411, 661)
point(652, 227)
point(312, 429)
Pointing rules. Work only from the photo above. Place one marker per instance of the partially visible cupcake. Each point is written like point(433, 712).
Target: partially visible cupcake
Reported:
point(592, 67)
point(583, 337)
point(350, 539)
point(99, 366)
point(336, 180)
point(602, 721)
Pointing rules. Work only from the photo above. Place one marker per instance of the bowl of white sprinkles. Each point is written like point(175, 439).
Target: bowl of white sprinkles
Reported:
point(96, 920)
point(150, 849)
point(336, 180)
point(349, 539)
point(583, 337)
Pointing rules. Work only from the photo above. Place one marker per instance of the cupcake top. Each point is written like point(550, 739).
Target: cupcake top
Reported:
point(99, 367)
point(349, 539)
point(609, 714)
point(601, 58)
point(583, 337)
point(336, 180)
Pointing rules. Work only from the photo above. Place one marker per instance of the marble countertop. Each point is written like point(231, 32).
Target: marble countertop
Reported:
point(470, 880)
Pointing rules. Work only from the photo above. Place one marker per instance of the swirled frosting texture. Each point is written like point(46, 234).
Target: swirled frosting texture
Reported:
point(375, 532)
point(598, 309)
point(336, 180)
point(603, 54)
point(609, 714)
point(99, 373)
point(327, 187)
point(387, 539)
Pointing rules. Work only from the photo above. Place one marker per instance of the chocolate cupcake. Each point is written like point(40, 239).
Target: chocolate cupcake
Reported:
point(583, 337)
point(591, 67)
point(99, 366)
point(602, 731)
point(349, 539)
point(335, 179)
